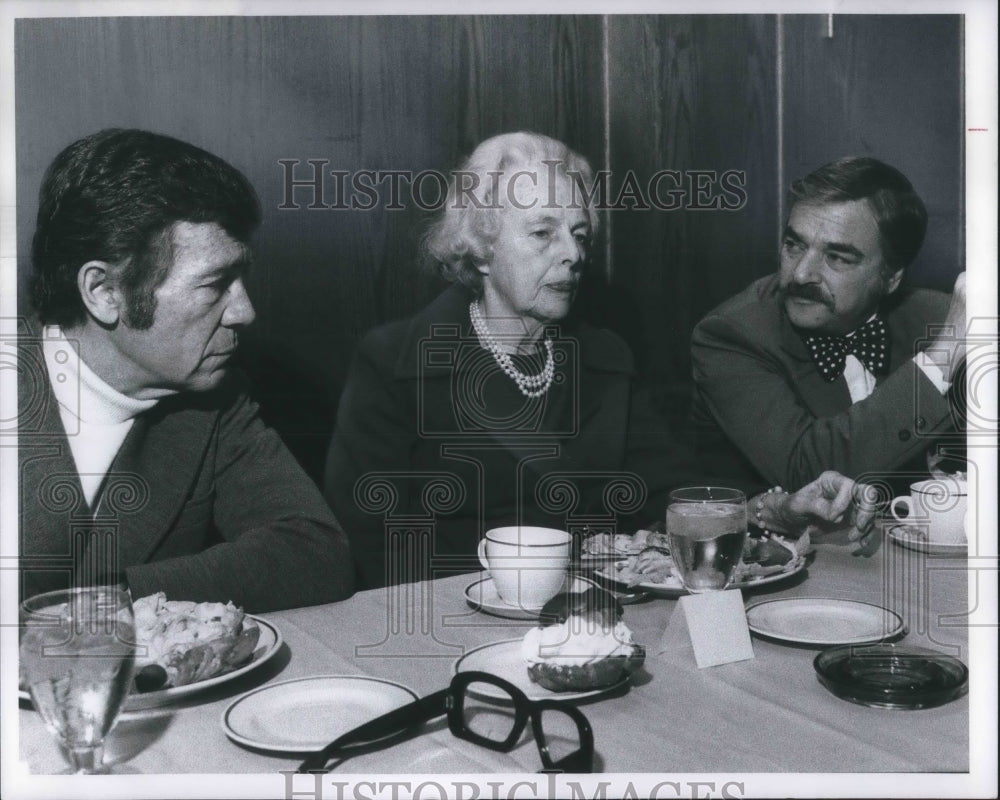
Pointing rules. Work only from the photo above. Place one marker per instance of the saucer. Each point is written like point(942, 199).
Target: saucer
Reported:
point(915, 538)
point(822, 621)
point(304, 714)
point(482, 595)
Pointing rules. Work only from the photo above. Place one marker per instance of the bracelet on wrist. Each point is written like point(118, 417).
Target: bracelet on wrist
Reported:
point(759, 508)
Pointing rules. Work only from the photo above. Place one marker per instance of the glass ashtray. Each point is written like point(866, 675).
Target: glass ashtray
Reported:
point(892, 675)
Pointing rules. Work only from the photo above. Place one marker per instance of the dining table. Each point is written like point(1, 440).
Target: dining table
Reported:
point(768, 714)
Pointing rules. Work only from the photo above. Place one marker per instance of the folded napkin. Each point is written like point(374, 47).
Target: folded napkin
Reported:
point(711, 626)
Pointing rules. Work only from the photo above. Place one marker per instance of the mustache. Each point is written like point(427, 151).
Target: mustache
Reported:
point(808, 291)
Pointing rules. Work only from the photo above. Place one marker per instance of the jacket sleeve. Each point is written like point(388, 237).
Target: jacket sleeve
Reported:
point(281, 546)
point(749, 392)
point(374, 434)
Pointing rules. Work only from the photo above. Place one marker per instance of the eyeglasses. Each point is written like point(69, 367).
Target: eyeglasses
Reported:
point(487, 711)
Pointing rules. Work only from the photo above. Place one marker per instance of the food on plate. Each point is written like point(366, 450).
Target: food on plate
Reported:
point(761, 557)
point(606, 544)
point(621, 544)
point(181, 642)
point(652, 564)
point(582, 644)
point(772, 555)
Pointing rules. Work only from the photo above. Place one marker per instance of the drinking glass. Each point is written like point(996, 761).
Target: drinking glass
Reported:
point(706, 528)
point(77, 658)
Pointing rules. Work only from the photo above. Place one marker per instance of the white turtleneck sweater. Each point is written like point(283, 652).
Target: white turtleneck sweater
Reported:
point(96, 417)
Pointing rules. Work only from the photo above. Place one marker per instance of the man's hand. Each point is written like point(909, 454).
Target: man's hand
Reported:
point(947, 350)
point(833, 503)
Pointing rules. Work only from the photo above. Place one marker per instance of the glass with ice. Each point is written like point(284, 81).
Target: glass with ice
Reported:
point(706, 528)
point(77, 656)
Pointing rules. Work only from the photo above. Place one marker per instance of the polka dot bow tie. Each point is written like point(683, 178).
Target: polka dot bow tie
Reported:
point(869, 344)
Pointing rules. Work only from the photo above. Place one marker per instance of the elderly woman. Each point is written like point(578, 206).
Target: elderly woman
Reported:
point(493, 406)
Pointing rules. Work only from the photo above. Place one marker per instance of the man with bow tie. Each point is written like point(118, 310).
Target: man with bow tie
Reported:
point(829, 363)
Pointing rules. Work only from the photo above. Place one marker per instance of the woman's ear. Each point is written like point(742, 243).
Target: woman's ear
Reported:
point(99, 292)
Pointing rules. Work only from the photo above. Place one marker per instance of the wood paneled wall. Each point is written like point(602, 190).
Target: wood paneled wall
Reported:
point(775, 97)
point(379, 93)
point(771, 97)
point(890, 87)
point(695, 94)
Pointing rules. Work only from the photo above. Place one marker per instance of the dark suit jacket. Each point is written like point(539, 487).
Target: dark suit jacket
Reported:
point(759, 398)
point(430, 434)
point(202, 502)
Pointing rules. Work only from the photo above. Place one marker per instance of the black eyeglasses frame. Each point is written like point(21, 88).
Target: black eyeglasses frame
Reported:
point(451, 702)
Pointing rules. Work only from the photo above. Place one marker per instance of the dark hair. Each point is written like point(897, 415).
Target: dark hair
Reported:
point(114, 196)
point(897, 208)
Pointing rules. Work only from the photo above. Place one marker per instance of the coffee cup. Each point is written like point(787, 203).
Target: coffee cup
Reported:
point(937, 507)
point(528, 565)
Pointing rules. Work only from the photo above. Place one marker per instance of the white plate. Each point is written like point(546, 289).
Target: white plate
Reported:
point(822, 621)
point(267, 645)
point(914, 538)
point(306, 714)
point(504, 660)
point(672, 586)
point(482, 595)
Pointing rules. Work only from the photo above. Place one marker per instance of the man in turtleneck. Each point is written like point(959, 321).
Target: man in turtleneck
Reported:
point(142, 458)
point(829, 364)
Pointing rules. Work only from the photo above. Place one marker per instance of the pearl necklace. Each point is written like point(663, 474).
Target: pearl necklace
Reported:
point(529, 385)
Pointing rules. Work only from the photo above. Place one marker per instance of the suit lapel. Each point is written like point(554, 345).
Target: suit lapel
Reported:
point(828, 399)
point(52, 503)
point(50, 487)
point(823, 399)
point(904, 339)
point(145, 490)
point(152, 476)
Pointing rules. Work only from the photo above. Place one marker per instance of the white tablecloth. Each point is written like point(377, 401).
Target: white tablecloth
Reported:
point(768, 714)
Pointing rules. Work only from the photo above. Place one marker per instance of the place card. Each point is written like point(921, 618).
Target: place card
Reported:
point(717, 628)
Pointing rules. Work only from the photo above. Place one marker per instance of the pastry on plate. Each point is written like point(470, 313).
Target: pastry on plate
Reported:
point(582, 644)
point(181, 642)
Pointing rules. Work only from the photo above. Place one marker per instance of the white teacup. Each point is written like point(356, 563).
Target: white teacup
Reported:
point(938, 506)
point(528, 565)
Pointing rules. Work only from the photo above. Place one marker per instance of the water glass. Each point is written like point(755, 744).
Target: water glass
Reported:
point(77, 657)
point(706, 529)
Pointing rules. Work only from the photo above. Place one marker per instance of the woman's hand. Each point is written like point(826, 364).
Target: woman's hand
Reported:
point(831, 503)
